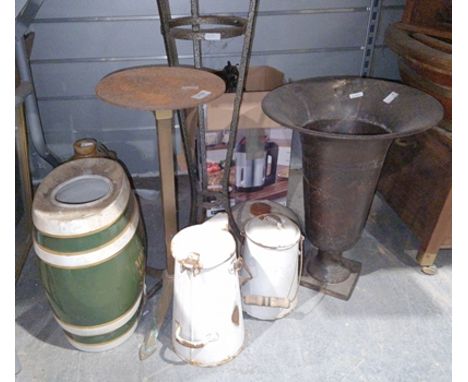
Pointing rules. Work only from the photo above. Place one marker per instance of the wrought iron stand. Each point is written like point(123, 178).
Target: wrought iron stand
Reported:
point(221, 27)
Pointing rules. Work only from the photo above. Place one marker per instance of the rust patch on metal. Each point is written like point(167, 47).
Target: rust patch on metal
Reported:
point(201, 364)
point(224, 26)
point(156, 87)
point(260, 208)
point(235, 316)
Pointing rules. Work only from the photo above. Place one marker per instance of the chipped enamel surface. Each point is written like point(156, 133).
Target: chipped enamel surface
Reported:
point(205, 331)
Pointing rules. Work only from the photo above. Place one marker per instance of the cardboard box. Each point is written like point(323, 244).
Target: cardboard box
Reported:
point(251, 116)
point(262, 153)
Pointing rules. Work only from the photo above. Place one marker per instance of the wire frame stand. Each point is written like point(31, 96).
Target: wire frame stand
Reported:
point(207, 28)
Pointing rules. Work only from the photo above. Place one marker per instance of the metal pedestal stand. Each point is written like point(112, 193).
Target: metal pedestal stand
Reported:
point(161, 90)
point(223, 27)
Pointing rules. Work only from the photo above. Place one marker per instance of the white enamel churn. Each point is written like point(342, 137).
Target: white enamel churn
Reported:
point(207, 325)
point(272, 255)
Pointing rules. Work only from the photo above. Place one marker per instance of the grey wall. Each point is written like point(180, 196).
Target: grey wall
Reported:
point(78, 42)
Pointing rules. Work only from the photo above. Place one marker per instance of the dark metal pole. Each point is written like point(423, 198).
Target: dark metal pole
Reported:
point(173, 60)
point(169, 43)
point(201, 142)
point(32, 111)
point(245, 57)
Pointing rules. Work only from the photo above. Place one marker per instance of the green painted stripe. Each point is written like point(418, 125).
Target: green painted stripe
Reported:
point(86, 243)
point(100, 293)
point(89, 340)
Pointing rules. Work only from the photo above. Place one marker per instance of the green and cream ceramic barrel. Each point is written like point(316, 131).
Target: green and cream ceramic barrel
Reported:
point(89, 238)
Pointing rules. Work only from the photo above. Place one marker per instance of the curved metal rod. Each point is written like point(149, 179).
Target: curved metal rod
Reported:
point(224, 27)
point(201, 143)
point(245, 57)
point(31, 109)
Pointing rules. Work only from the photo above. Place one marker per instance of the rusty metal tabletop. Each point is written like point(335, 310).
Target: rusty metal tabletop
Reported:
point(153, 88)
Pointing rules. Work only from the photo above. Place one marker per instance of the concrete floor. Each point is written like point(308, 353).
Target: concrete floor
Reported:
point(395, 327)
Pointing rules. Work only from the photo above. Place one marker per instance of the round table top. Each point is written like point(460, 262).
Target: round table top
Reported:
point(155, 88)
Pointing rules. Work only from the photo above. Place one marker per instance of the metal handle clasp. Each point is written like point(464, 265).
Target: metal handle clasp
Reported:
point(210, 337)
point(272, 302)
point(238, 265)
point(191, 263)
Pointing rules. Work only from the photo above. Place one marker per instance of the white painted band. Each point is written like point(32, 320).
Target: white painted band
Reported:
point(61, 220)
point(102, 328)
point(94, 348)
point(94, 256)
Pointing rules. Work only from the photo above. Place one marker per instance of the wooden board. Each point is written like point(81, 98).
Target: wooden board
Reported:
point(429, 13)
point(416, 182)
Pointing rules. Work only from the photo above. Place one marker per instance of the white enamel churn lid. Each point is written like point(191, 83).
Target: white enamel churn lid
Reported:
point(204, 246)
point(245, 211)
point(272, 231)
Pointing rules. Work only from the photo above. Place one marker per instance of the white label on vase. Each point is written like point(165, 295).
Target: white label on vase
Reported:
point(389, 99)
point(212, 36)
point(356, 95)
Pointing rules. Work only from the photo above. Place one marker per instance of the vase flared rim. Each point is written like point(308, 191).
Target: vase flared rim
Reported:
point(399, 109)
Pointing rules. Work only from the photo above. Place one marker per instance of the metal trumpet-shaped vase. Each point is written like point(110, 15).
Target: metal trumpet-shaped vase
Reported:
point(346, 126)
